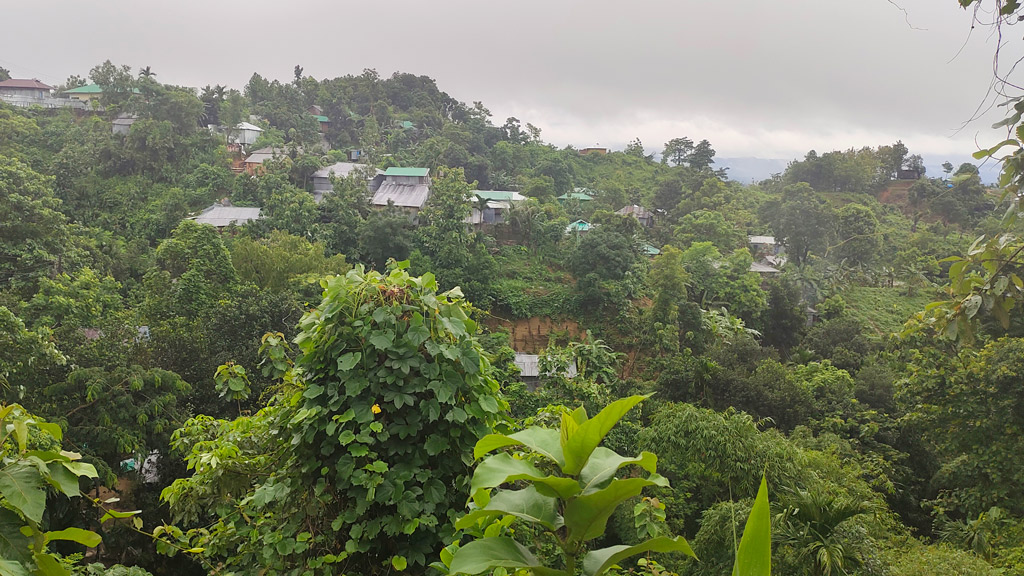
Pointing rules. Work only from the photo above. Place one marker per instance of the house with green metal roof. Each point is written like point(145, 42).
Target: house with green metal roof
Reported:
point(579, 227)
point(88, 93)
point(410, 172)
point(491, 206)
point(578, 196)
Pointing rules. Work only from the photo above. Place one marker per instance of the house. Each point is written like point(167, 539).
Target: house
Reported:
point(577, 196)
point(245, 134)
point(593, 150)
point(908, 174)
point(253, 163)
point(354, 155)
point(25, 93)
point(20, 89)
point(643, 215)
point(322, 178)
point(324, 121)
point(315, 110)
point(762, 268)
point(88, 93)
point(222, 216)
point(491, 206)
point(579, 227)
point(650, 250)
point(529, 369)
point(123, 124)
point(406, 188)
point(765, 249)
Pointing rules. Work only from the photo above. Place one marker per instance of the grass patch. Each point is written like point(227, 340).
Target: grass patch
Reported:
point(884, 310)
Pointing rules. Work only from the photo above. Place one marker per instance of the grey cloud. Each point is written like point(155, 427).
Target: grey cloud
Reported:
point(775, 78)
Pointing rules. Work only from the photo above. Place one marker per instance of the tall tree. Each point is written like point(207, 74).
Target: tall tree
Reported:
point(677, 151)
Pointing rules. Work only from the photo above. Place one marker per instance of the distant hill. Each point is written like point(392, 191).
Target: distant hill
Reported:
point(749, 170)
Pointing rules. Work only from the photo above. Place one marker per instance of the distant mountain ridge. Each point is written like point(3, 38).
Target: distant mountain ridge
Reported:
point(749, 170)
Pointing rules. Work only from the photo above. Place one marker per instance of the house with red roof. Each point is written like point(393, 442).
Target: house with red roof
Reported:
point(22, 88)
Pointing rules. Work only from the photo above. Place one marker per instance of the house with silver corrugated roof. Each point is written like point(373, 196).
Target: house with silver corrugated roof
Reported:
point(491, 206)
point(253, 163)
point(244, 133)
point(643, 215)
point(407, 188)
point(322, 183)
point(221, 216)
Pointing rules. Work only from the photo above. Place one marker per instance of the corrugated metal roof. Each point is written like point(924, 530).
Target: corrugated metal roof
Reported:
point(762, 268)
point(761, 239)
point(498, 195)
point(399, 171)
point(87, 89)
point(28, 83)
point(529, 366)
point(639, 212)
point(91, 89)
point(576, 196)
point(247, 126)
point(339, 169)
point(221, 216)
point(403, 195)
point(578, 226)
point(321, 118)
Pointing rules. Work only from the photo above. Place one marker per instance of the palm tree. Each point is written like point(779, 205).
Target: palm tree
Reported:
point(809, 527)
point(146, 72)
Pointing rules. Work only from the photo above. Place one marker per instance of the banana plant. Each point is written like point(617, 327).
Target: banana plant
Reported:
point(564, 482)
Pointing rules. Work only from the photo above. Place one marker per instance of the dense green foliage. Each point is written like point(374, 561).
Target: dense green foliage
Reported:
point(303, 413)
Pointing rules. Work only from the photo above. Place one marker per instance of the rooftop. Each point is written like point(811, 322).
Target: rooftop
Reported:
point(247, 126)
point(414, 172)
point(402, 195)
point(634, 210)
point(220, 216)
point(498, 195)
point(321, 118)
point(576, 196)
point(338, 169)
point(87, 89)
point(90, 89)
point(761, 239)
point(27, 83)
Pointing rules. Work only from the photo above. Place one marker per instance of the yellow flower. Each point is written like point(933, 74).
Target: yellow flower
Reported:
point(375, 409)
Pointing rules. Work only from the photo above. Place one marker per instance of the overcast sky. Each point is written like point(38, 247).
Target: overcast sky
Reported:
point(766, 79)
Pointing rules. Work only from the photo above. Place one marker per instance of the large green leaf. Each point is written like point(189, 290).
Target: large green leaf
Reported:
point(527, 504)
point(13, 543)
point(580, 444)
point(63, 479)
point(489, 553)
point(597, 562)
point(544, 441)
point(24, 489)
point(586, 516)
point(754, 557)
point(81, 469)
point(86, 538)
point(604, 463)
point(12, 568)
point(504, 468)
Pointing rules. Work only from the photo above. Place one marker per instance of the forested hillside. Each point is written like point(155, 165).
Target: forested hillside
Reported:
point(302, 393)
